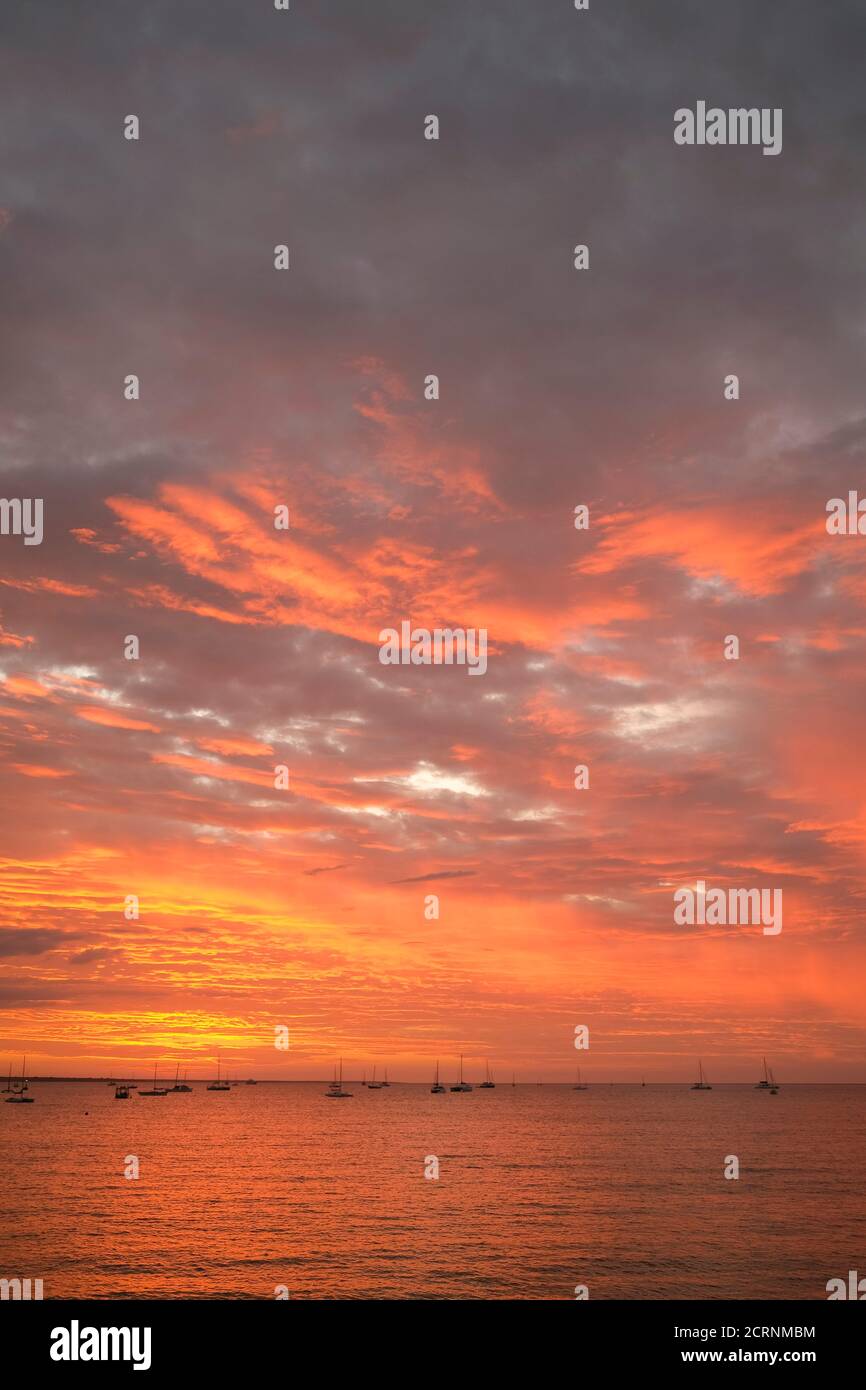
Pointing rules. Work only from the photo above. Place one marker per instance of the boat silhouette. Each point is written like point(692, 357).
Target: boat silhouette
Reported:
point(461, 1085)
point(335, 1090)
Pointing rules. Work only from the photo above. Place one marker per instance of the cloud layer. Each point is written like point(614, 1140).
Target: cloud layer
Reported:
point(306, 389)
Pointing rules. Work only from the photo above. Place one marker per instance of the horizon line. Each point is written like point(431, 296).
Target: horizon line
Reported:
point(316, 1080)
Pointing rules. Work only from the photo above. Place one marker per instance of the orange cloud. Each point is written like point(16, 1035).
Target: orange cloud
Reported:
point(32, 770)
point(755, 545)
point(113, 719)
point(25, 687)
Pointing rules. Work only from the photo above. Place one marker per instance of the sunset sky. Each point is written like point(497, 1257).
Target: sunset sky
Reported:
point(604, 387)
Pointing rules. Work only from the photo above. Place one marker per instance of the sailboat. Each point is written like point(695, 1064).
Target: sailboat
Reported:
point(461, 1084)
point(179, 1085)
point(18, 1097)
point(157, 1091)
point(581, 1085)
point(701, 1084)
point(436, 1089)
point(386, 1082)
point(487, 1084)
point(219, 1085)
point(23, 1084)
point(374, 1085)
point(765, 1083)
point(335, 1090)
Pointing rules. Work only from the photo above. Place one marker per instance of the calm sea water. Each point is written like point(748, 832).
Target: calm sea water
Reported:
point(540, 1189)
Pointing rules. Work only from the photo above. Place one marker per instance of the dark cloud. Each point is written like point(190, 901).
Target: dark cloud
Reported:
point(29, 941)
point(428, 878)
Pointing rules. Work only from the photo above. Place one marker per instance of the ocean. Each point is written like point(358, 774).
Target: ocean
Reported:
point(540, 1190)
